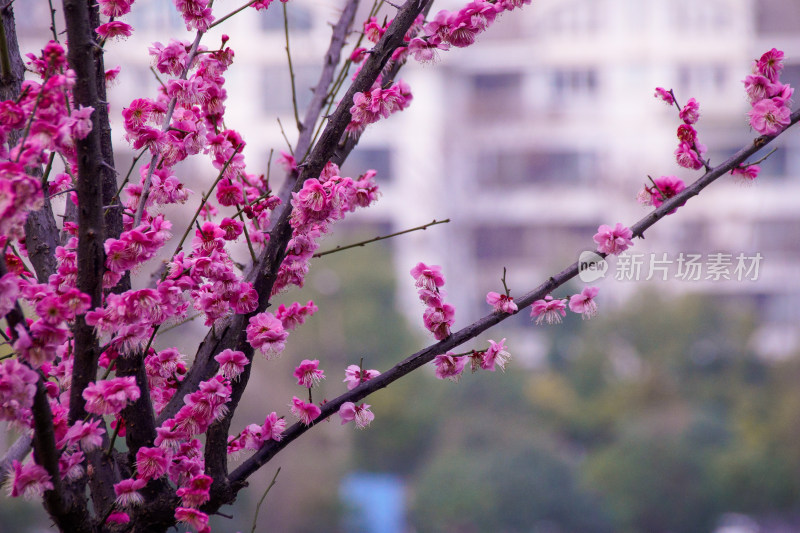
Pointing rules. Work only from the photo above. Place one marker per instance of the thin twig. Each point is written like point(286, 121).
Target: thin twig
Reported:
point(232, 13)
point(258, 507)
point(760, 160)
point(291, 68)
point(381, 238)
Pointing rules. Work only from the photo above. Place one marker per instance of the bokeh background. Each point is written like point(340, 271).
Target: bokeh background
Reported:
point(674, 410)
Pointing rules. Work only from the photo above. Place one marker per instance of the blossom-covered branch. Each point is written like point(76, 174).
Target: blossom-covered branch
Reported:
point(426, 355)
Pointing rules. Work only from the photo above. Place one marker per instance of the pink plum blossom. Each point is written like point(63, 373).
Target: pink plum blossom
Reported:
point(127, 492)
point(231, 363)
point(613, 240)
point(449, 367)
point(548, 310)
point(584, 303)
point(266, 334)
point(664, 95)
point(361, 414)
point(496, 355)
point(151, 463)
point(746, 174)
point(768, 117)
point(305, 412)
point(308, 373)
point(88, 434)
point(501, 302)
point(30, 480)
point(354, 376)
point(770, 64)
point(428, 277)
point(690, 113)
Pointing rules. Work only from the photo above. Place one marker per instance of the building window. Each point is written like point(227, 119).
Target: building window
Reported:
point(707, 16)
point(777, 16)
point(497, 95)
point(517, 167)
point(702, 78)
point(573, 83)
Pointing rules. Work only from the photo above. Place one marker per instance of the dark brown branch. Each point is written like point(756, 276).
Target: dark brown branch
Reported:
point(90, 198)
point(92, 179)
point(239, 476)
point(41, 232)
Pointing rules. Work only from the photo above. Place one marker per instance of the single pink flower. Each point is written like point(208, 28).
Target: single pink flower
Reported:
point(449, 367)
point(501, 302)
point(690, 113)
point(613, 240)
point(194, 518)
point(665, 188)
point(548, 310)
point(30, 480)
point(584, 303)
point(428, 277)
point(496, 355)
point(687, 157)
point(768, 117)
point(231, 363)
point(308, 373)
point(266, 334)
point(746, 174)
point(118, 517)
point(664, 95)
point(127, 492)
point(114, 29)
point(354, 376)
point(273, 427)
point(359, 413)
point(770, 64)
point(151, 463)
point(88, 434)
point(305, 412)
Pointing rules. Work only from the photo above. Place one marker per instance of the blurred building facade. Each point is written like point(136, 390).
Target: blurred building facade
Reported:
point(545, 130)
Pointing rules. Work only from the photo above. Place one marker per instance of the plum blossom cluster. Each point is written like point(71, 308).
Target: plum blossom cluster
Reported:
point(267, 333)
point(422, 40)
point(176, 453)
point(550, 310)
point(770, 99)
point(457, 28)
point(49, 122)
point(689, 153)
point(320, 203)
point(254, 435)
point(451, 366)
point(438, 316)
